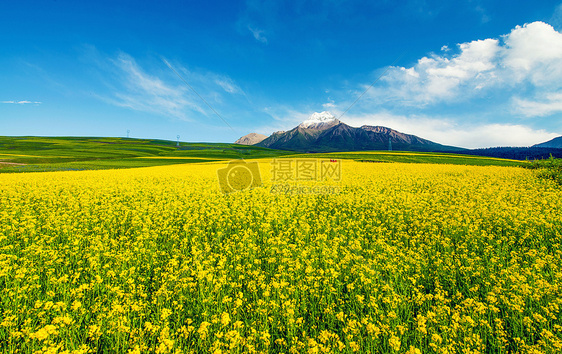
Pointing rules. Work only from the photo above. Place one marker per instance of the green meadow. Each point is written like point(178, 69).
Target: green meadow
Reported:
point(36, 154)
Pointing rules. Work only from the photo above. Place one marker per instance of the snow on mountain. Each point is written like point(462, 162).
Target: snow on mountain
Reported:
point(320, 120)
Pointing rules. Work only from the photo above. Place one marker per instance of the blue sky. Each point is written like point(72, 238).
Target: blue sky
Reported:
point(470, 73)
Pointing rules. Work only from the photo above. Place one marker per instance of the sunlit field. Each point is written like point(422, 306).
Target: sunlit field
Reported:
point(407, 258)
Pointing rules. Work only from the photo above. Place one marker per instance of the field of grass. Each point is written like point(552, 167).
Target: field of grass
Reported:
point(40, 154)
point(406, 258)
point(34, 154)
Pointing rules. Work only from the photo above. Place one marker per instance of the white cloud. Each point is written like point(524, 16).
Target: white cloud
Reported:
point(441, 78)
point(529, 54)
point(534, 53)
point(329, 105)
point(552, 103)
point(22, 102)
point(258, 34)
point(144, 92)
point(165, 94)
point(228, 84)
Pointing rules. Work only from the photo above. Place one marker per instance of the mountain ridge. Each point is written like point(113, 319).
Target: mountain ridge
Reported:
point(555, 143)
point(322, 132)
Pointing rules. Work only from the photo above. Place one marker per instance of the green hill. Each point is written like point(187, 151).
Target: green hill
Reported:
point(30, 154)
point(35, 154)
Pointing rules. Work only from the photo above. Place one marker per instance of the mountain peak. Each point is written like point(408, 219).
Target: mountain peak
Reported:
point(322, 132)
point(554, 143)
point(250, 139)
point(320, 120)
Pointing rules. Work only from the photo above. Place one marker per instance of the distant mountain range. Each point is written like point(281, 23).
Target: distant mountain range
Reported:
point(322, 132)
point(555, 143)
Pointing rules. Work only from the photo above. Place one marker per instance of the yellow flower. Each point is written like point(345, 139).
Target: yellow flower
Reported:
point(44, 332)
point(76, 305)
point(203, 329)
point(225, 318)
point(394, 342)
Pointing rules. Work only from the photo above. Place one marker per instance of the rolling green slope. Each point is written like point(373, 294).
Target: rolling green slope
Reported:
point(35, 154)
point(30, 154)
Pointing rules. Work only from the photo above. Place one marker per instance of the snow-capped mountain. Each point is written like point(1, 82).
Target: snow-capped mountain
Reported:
point(323, 132)
point(320, 121)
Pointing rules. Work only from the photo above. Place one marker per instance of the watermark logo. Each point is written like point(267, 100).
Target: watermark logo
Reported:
point(288, 176)
point(239, 176)
point(299, 170)
point(293, 176)
point(296, 189)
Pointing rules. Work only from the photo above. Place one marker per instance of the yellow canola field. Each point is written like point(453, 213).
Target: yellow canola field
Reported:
point(408, 258)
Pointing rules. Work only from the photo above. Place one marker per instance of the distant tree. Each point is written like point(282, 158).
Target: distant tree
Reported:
point(517, 153)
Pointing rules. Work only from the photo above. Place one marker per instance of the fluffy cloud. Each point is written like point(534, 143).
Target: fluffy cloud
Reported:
point(437, 78)
point(534, 53)
point(530, 54)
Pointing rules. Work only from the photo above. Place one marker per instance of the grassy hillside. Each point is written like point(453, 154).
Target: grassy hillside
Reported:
point(27, 154)
point(31, 154)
